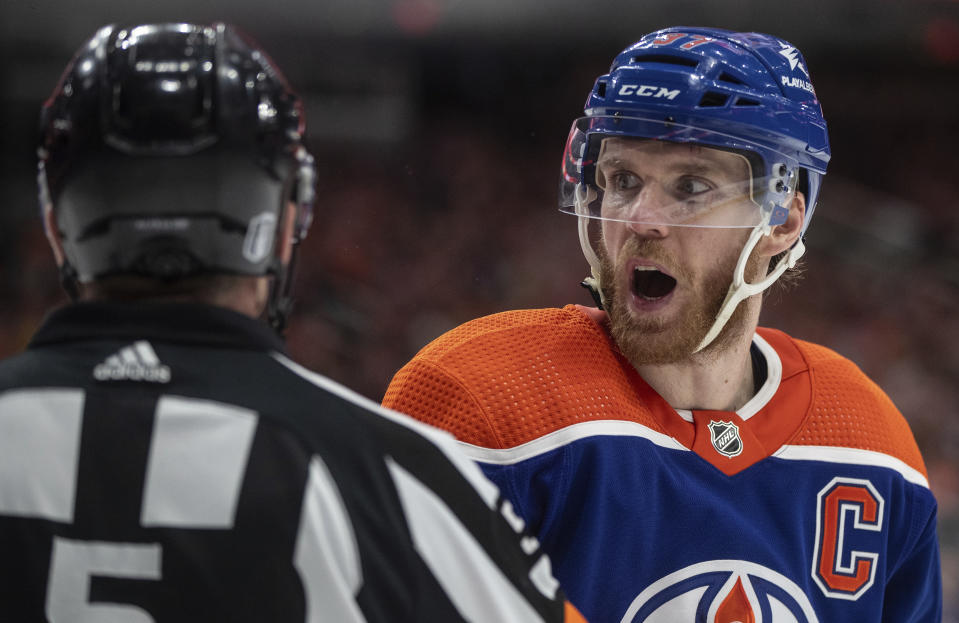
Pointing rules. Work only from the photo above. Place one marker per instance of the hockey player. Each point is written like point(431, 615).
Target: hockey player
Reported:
point(676, 462)
point(161, 459)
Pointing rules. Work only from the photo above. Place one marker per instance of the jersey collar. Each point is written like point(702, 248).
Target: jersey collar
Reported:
point(184, 323)
point(774, 374)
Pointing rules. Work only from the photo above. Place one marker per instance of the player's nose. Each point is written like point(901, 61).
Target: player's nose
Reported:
point(648, 213)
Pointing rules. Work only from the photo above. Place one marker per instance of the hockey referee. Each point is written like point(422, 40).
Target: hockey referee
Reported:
point(161, 459)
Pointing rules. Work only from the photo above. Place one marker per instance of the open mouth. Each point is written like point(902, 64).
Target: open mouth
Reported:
point(651, 284)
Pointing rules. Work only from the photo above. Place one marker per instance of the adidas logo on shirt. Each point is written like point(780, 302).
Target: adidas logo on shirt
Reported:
point(136, 362)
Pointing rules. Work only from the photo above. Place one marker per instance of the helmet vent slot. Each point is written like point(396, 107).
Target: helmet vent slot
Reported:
point(725, 77)
point(601, 89)
point(666, 59)
point(745, 101)
point(712, 99)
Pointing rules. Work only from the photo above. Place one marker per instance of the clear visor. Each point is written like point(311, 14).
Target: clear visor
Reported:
point(642, 171)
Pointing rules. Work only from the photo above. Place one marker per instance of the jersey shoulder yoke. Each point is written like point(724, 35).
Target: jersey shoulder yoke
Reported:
point(847, 409)
point(509, 378)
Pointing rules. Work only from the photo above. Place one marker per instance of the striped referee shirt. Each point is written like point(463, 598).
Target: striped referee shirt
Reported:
point(168, 463)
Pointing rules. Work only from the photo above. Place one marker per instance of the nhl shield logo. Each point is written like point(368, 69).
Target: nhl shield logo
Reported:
point(725, 438)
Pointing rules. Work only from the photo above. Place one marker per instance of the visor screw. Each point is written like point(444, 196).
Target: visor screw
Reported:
point(783, 170)
point(780, 187)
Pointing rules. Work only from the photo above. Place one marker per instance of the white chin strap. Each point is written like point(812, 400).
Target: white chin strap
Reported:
point(739, 290)
point(584, 196)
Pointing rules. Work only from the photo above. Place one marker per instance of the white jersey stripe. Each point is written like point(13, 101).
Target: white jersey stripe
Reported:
point(559, 438)
point(198, 455)
point(774, 375)
point(618, 428)
point(39, 452)
point(474, 583)
point(852, 456)
point(443, 440)
point(327, 555)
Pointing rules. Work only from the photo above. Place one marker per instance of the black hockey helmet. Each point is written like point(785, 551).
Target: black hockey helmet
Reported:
point(173, 150)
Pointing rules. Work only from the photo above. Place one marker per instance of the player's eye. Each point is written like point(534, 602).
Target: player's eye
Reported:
point(688, 186)
point(623, 181)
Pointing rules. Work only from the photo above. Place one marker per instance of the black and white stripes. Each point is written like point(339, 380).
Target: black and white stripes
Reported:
point(241, 487)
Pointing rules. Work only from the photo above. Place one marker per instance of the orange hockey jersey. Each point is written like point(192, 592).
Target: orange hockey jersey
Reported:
point(811, 499)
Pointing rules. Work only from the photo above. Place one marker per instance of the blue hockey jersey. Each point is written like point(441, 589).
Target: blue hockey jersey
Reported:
point(810, 503)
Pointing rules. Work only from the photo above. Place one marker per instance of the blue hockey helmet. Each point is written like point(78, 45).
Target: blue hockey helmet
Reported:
point(748, 94)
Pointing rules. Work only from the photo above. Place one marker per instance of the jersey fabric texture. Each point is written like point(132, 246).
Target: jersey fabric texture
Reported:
point(810, 503)
point(167, 463)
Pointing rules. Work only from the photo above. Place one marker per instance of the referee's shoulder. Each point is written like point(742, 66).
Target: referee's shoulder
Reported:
point(326, 403)
point(37, 368)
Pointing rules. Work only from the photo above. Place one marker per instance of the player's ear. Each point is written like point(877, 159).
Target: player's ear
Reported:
point(53, 234)
point(286, 238)
point(785, 235)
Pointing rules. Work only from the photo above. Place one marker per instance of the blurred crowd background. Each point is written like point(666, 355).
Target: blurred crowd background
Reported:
point(438, 127)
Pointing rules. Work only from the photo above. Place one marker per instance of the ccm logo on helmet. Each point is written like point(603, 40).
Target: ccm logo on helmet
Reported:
point(841, 571)
point(648, 90)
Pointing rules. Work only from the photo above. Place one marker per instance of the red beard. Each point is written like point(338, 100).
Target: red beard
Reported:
point(649, 340)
